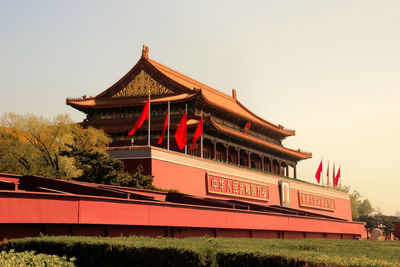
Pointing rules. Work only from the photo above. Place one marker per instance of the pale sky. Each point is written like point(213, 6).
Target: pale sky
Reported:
point(328, 69)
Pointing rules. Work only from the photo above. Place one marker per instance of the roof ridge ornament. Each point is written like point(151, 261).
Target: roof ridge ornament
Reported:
point(145, 51)
point(234, 96)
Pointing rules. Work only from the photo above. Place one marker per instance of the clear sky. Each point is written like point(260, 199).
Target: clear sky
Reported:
point(328, 69)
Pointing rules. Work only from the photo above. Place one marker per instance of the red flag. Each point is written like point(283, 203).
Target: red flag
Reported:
point(333, 174)
point(144, 116)
point(318, 173)
point(247, 127)
point(163, 130)
point(198, 132)
point(181, 133)
point(327, 175)
point(335, 183)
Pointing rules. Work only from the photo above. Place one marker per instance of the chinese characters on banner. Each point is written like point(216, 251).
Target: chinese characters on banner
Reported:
point(232, 187)
point(315, 201)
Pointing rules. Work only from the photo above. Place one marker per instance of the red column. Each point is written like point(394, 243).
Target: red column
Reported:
point(248, 160)
point(294, 172)
point(270, 165)
point(215, 150)
point(279, 167)
point(262, 163)
point(227, 154)
point(273, 170)
point(238, 156)
point(287, 170)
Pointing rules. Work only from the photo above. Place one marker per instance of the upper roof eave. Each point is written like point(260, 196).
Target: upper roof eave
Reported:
point(219, 99)
point(300, 155)
point(278, 129)
point(94, 102)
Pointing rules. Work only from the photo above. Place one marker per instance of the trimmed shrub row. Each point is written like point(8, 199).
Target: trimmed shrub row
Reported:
point(146, 251)
point(103, 253)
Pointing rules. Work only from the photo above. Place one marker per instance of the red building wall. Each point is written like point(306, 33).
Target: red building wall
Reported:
point(27, 214)
point(24, 213)
point(172, 170)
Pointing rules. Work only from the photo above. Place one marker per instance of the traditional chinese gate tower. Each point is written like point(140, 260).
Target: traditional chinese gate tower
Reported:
point(252, 166)
point(116, 109)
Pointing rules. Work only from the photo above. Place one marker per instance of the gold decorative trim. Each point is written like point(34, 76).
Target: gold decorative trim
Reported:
point(141, 85)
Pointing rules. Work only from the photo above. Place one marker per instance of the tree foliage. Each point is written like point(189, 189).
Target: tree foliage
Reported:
point(59, 148)
point(31, 144)
point(98, 167)
point(359, 208)
point(381, 221)
point(363, 211)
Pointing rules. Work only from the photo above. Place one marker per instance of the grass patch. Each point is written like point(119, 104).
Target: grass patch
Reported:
point(204, 251)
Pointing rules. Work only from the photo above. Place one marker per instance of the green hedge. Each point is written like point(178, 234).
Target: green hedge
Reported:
point(240, 259)
point(92, 251)
point(205, 251)
point(29, 258)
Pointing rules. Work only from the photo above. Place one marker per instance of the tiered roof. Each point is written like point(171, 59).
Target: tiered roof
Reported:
point(185, 88)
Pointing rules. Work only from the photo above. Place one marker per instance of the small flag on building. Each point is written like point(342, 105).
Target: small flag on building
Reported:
point(247, 127)
point(198, 132)
point(319, 171)
point(143, 116)
point(181, 133)
point(336, 179)
point(164, 127)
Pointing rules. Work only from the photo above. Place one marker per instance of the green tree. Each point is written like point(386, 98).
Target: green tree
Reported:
point(355, 205)
point(365, 208)
point(30, 145)
point(360, 209)
point(59, 148)
point(386, 223)
point(98, 167)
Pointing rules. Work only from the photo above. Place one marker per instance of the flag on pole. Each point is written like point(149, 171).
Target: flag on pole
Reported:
point(186, 131)
point(169, 123)
point(333, 174)
point(143, 116)
point(181, 133)
point(319, 171)
point(327, 175)
point(198, 132)
point(247, 127)
point(164, 127)
point(336, 180)
point(148, 124)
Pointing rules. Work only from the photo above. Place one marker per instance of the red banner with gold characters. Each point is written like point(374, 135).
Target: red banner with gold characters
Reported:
point(237, 188)
point(314, 201)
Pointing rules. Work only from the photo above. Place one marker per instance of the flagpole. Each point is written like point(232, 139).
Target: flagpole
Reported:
point(327, 175)
point(148, 130)
point(168, 124)
point(186, 129)
point(201, 138)
point(322, 171)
